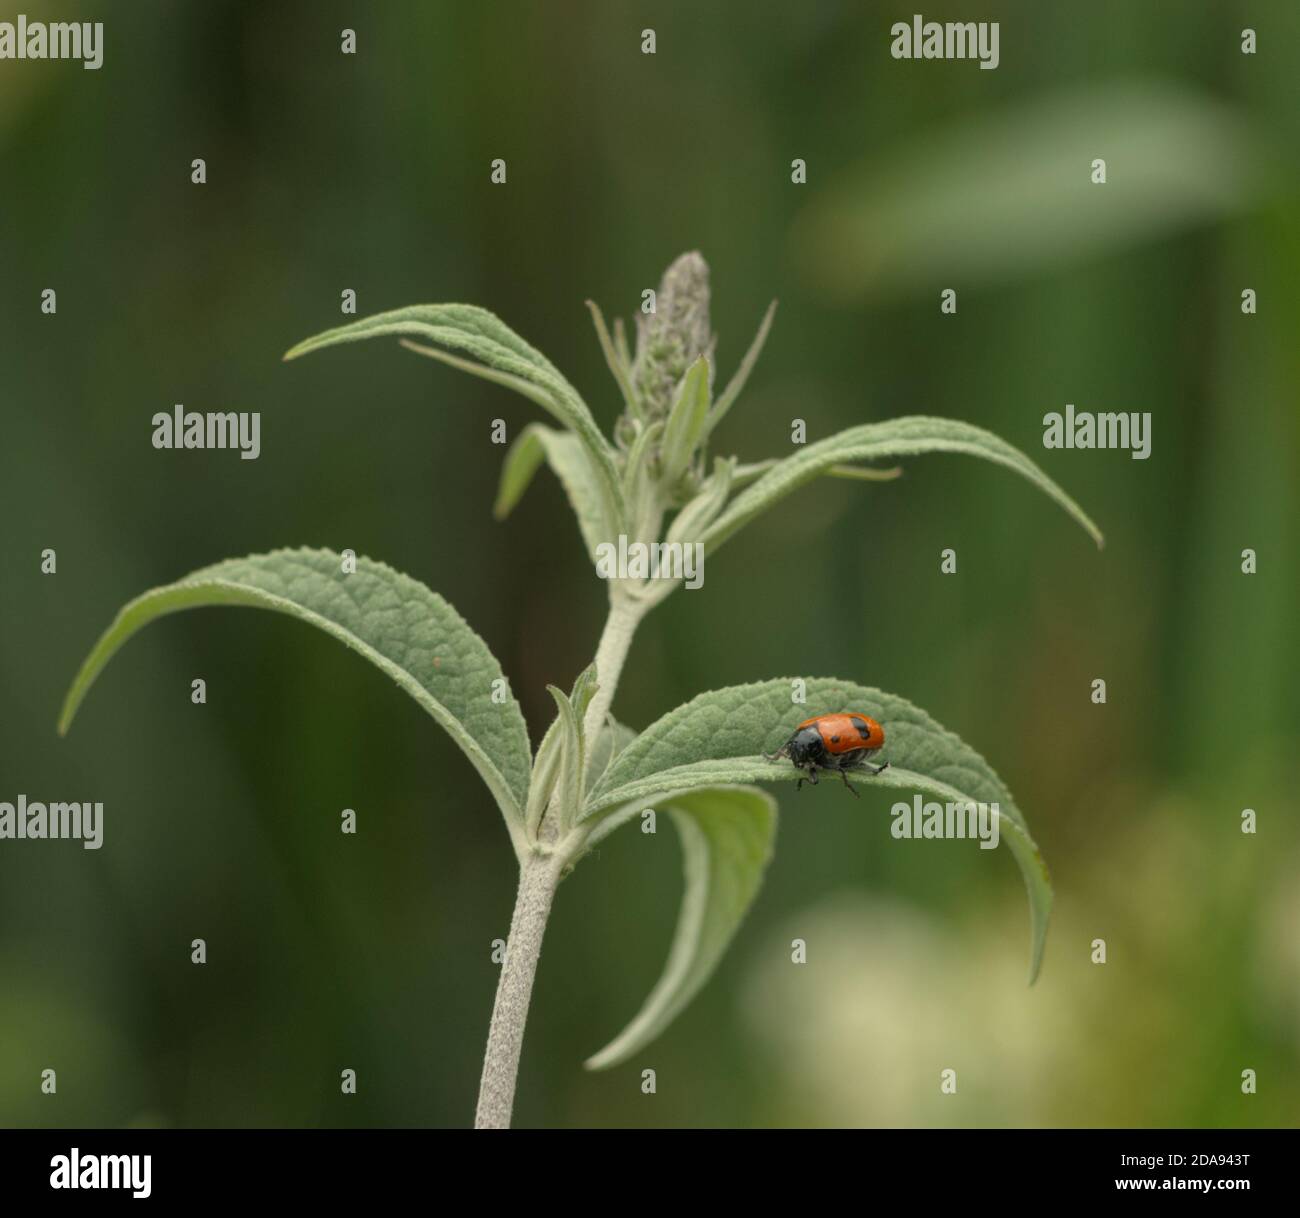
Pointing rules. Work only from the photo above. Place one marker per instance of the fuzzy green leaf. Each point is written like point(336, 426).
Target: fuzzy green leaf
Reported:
point(504, 357)
point(747, 474)
point(864, 473)
point(523, 459)
point(727, 835)
point(638, 479)
point(559, 764)
point(570, 462)
point(620, 344)
point(696, 516)
point(619, 368)
point(573, 763)
point(398, 624)
point(904, 437)
point(609, 744)
point(545, 777)
point(686, 420)
point(734, 387)
point(720, 737)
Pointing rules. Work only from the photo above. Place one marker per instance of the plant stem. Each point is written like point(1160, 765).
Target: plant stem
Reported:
point(538, 876)
point(539, 873)
point(624, 617)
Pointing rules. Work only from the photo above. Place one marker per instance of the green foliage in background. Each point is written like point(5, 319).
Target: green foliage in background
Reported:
point(371, 173)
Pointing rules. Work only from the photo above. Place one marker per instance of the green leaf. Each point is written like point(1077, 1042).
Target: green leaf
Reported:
point(398, 624)
point(619, 369)
point(747, 474)
point(620, 345)
point(727, 835)
point(905, 437)
point(685, 426)
point(720, 737)
point(609, 743)
point(570, 462)
point(559, 764)
point(699, 513)
point(864, 473)
point(584, 690)
point(643, 494)
point(1010, 192)
point(737, 382)
point(504, 357)
point(569, 783)
point(523, 459)
point(545, 777)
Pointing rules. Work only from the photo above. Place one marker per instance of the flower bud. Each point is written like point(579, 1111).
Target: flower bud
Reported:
point(670, 339)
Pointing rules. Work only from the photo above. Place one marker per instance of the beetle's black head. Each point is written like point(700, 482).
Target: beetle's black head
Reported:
point(806, 747)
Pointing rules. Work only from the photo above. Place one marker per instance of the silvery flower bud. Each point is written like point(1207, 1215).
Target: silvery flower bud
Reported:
point(671, 338)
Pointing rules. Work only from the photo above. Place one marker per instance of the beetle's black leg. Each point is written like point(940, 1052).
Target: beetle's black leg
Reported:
point(880, 769)
point(798, 786)
point(812, 774)
point(845, 778)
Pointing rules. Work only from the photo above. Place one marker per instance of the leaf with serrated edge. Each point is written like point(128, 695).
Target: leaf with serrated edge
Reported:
point(487, 338)
point(727, 835)
point(905, 437)
point(568, 459)
point(399, 625)
point(720, 737)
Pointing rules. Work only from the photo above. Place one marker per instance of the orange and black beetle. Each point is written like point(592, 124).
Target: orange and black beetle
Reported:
point(833, 742)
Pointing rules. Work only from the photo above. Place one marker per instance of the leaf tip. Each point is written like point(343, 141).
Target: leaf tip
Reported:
point(598, 1061)
point(68, 711)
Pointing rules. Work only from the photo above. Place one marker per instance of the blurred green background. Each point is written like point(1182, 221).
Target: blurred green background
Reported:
point(371, 172)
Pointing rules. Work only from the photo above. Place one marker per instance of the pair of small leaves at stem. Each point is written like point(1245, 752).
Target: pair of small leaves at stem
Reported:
point(560, 771)
point(698, 762)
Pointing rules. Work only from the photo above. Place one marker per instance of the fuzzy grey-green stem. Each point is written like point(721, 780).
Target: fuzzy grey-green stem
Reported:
point(538, 876)
point(624, 617)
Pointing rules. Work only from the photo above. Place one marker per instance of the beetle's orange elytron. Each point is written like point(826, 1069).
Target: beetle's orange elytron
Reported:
point(833, 742)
